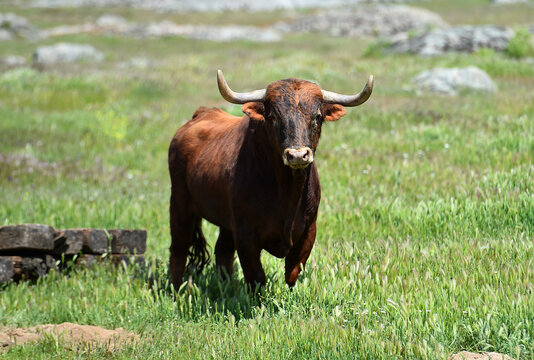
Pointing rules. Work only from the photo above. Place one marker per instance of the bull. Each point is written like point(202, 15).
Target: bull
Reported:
point(253, 176)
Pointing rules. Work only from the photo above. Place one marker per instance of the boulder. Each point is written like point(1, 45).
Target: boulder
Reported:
point(367, 20)
point(12, 26)
point(27, 237)
point(465, 38)
point(65, 53)
point(5, 35)
point(12, 61)
point(450, 81)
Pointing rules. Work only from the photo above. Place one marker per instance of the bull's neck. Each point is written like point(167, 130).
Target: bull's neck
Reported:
point(291, 182)
point(268, 151)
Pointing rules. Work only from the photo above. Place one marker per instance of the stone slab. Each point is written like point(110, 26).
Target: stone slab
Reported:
point(128, 241)
point(33, 237)
point(27, 267)
point(74, 241)
point(6, 269)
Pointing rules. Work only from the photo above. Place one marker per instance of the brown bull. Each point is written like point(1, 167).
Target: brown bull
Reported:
point(253, 176)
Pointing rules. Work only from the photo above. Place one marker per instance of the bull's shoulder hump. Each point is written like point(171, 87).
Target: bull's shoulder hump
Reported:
point(213, 114)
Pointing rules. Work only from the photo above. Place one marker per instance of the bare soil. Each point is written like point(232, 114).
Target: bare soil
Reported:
point(72, 335)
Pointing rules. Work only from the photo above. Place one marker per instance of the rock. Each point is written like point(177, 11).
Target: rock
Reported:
point(72, 241)
point(202, 5)
point(32, 237)
point(109, 21)
point(28, 267)
point(128, 241)
point(367, 20)
point(12, 25)
point(5, 35)
point(12, 61)
point(235, 32)
point(69, 30)
point(457, 39)
point(65, 53)
point(118, 26)
point(6, 269)
point(466, 355)
point(506, 2)
point(449, 81)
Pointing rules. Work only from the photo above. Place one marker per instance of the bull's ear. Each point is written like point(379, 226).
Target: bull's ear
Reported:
point(333, 112)
point(254, 110)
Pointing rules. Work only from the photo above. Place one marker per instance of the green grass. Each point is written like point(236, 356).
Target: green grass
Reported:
point(425, 233)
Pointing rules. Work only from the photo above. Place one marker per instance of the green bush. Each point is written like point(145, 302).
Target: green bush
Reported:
point(520, 44)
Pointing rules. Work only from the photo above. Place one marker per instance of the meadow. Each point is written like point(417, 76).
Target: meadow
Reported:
point(425, 240)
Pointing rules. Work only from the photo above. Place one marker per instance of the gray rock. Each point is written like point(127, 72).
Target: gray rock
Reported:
point(112, 22)
point(450, 81)
point(5, 35)
point(33, 237)
point(12, 61)
point(229, 33)
point(72, 241)
point(118, 26)
point(65, 53)
point(507, 2)
point(367, 20)
point(128, 241)
point(203, 5)
point(457, 39)
point(6, 269)
point(16, 26)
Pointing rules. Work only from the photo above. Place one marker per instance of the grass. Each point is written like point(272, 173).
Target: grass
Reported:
point(425, 231)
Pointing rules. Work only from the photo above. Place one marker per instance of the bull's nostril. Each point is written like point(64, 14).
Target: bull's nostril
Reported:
point(306, 156)
point(289, 157)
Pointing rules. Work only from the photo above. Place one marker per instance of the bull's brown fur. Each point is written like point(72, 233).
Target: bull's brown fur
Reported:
point(229, 171)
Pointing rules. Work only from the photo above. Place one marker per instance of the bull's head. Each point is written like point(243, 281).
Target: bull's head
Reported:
point(294, 111)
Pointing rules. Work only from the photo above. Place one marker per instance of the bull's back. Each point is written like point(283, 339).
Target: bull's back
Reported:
point(202, 157)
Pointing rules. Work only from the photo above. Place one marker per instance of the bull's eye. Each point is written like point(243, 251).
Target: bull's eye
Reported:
point(316, 120)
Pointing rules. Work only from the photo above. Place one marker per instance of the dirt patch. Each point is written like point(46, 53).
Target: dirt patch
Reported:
point(71, 335)
point(466, 355)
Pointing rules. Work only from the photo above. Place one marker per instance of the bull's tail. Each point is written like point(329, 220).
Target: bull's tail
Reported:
point(198, 253)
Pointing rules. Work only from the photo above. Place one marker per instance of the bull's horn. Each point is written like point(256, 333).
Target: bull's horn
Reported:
point(235, 97)
point(330, 97)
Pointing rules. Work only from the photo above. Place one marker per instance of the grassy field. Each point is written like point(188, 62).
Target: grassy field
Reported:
point(426, 228)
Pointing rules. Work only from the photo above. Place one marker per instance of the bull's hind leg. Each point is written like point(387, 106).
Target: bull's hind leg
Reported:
point(182, 227)
point(225, 252)
point(299, 254)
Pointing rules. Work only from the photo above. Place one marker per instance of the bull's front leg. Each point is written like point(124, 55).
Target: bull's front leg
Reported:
point(299, 254)
point(249, 252)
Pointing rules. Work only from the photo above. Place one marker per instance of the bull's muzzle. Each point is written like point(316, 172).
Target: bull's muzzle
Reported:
point(298, 158)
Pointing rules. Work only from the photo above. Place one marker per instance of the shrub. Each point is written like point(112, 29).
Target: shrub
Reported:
point(520, 44)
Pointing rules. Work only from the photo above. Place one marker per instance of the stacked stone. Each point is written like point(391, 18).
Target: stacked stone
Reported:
point(29, 251)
